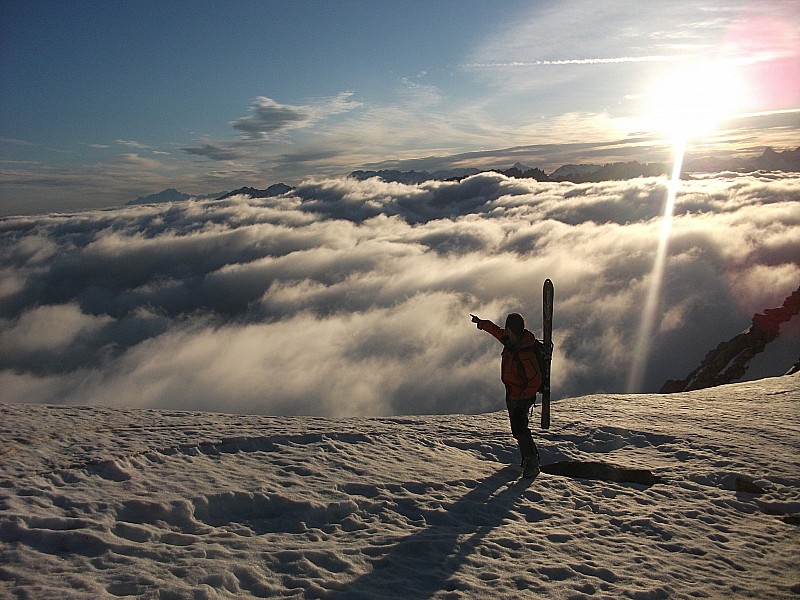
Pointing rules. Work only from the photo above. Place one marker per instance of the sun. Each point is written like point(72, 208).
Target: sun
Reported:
point(693, 100)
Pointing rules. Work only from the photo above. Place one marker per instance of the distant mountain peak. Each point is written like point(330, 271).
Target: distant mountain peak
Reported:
point(171, 195)
point(528, 173)
point(571, 170)
point(167, 195)
point(413, 177)
point(274, 190)
point(771, 160)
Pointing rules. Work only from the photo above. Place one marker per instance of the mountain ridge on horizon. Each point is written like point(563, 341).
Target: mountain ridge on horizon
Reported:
point(769, 160)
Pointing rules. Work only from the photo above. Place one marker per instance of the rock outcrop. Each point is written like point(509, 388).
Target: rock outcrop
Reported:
point(728, 362)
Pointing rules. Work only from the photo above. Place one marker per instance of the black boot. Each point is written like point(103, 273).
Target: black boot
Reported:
point(530, 467)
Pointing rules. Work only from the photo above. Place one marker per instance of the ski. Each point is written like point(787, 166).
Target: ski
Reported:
point(547, 326)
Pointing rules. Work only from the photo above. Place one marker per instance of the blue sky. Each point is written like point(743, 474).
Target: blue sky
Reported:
point(102, 102)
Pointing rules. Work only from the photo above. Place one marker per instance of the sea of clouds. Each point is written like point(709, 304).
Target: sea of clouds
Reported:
point(348, 297)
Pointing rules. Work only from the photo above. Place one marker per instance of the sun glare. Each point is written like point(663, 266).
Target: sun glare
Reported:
point(692, 101)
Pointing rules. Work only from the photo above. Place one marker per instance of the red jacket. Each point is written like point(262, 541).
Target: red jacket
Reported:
point(519, 369)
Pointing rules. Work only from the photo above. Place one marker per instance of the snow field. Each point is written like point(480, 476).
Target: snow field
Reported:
point(100, 502)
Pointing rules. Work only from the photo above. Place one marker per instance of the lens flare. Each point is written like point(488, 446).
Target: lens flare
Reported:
point(650, 311)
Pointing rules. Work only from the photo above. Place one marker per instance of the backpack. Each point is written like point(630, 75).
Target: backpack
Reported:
point(539, 353)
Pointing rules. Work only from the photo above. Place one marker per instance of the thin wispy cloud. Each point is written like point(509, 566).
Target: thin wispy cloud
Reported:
point(578, 61)
point(14, 141)
point(269, 120)
point(134, 144)
point(133, 159)
point(220, 151)
point(269, 117)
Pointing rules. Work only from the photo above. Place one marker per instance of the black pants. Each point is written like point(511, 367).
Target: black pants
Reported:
point(518, 413)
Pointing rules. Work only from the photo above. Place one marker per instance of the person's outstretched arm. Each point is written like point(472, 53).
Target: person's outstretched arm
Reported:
point(488, 327)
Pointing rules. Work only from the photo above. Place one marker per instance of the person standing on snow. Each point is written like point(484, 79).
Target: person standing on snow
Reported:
point(520, 373)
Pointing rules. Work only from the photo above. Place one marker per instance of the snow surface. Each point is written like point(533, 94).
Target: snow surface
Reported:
point(103, 502)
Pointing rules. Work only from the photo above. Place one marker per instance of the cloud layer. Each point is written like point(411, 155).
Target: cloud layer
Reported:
point(349, 297)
